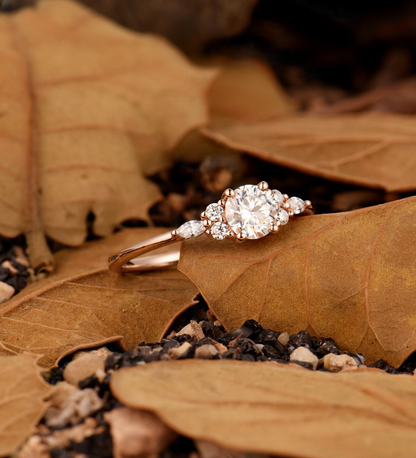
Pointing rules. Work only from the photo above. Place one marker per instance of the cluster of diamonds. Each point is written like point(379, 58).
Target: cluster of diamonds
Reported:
point(248, 212)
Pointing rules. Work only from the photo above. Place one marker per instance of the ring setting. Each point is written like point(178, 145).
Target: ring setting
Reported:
point(248, 212)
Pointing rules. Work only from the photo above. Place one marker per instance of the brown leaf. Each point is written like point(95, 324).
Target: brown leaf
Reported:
point(84, 305)
point(22, 394)
point(277, 409)
point(374, 150)
point(81, 126)
point(190, 25)
point(398, 98)
point(246, 90)
point(349, 276)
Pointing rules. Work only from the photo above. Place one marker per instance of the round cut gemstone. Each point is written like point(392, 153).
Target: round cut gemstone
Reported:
point(275, 197)
point(191, 229)
point(214, 212)
point(250, 211)
point(219, 231)
point(282, 216)
point(296, 205)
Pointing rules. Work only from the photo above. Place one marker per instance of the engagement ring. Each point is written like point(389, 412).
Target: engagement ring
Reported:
point(246, 213)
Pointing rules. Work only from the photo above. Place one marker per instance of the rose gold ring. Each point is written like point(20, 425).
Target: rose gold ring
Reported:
point(246, 213)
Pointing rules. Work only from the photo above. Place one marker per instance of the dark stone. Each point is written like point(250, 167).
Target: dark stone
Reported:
point(113, 361)
point(281, 349)
point(254, 327)
point(270, 352)
point(182, 338)
point(329, 346)
point(246, 347)
point(55, 375)
point(210, 330)
point(4, 273)
point(301, 339)
point(204, 341)
point(95, 446)
point(381, 364)
point(303, 364)
point(245, 357)
point(169, 343)
point(229, 354)
point(89, 382)
point(267, 337)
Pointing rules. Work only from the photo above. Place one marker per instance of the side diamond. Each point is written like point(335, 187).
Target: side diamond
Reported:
point(296, 205)
point(275, 197)
point(282, 217)
point(219, 231)
point(191, 229)
point(214, 212)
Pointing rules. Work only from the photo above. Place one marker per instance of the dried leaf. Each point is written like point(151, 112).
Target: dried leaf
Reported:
point(374, 150)
point(84, 305)
point(22, 394)
point(277, 409)
point(84, 126)
point(349, 276)
point(247, 90)
point(398, 98)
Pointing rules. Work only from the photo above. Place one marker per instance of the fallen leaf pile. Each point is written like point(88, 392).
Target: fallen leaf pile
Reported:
point(349, 276)
point(84, 305)
point(80, 128)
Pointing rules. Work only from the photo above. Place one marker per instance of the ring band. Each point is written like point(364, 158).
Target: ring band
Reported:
point(246, 213)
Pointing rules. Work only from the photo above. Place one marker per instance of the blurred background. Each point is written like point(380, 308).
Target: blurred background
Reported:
point(328, 57)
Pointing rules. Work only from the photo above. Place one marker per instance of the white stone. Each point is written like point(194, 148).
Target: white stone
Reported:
point(296, 205)
point(282, 216)
point(219, 231)
point(275, 197)
point(284, 338)
point(336, 363)
point(6, 292)
point(249, 211)
point(304, 355)
point(191, 229)
point(214, 212)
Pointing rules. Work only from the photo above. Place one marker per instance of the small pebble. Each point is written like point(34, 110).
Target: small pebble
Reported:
point(69, 405)
point(138, 434)
point(193, 329)
point(206, 352)
point(284, 338)
point(303, 355)
point(336, 363)
point(181, 352)
point(8, 265)
point(84, 366)
point(6, 292)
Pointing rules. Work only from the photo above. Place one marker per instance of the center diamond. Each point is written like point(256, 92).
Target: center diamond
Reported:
point(249, 211)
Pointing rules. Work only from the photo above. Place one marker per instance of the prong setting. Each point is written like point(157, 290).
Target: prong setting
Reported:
point(263, 185)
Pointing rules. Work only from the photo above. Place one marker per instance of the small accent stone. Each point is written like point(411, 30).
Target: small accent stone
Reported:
point(282, 216)
point(82, 367)
point(303, 355)
point(181, 352)
point(275, 197)
point(336, 363)
point(284, 338)
point(191, 229)
point(214, 212)
point(296, 205)
point(219, 231)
